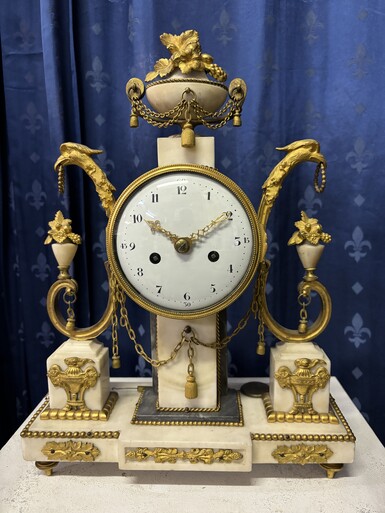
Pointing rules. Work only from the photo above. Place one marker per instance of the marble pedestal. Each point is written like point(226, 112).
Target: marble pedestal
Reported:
point(171, 378)
point(170, 151)
point(95, 397)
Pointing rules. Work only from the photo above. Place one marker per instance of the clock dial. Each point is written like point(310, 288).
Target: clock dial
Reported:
point(183, 241)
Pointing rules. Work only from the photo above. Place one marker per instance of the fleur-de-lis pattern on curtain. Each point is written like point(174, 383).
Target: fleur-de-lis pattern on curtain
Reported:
point(313, 69)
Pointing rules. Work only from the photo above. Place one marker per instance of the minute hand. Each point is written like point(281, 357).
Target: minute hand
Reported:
point(215, 222)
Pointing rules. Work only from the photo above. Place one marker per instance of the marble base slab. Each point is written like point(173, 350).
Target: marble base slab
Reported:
point(191, 448)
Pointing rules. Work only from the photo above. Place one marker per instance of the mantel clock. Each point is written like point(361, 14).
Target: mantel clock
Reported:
point(184, 242)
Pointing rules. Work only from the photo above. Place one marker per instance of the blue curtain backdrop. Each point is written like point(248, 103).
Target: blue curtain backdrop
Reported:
point(314, 69)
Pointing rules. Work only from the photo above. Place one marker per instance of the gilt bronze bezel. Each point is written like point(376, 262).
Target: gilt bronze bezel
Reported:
point(189, 169)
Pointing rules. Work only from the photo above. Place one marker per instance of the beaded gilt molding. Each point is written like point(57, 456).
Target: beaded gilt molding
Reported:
point(63, 414)
point(29, 433)
point(282, 416)
point(304, 437)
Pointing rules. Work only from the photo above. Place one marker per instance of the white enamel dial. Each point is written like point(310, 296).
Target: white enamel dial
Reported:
point(183, 241)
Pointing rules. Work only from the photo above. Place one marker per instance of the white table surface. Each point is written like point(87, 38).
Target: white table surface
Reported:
point(102, 487)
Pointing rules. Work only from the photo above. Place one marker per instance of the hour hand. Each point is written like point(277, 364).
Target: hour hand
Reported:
point(157, 227)
point(181, 244)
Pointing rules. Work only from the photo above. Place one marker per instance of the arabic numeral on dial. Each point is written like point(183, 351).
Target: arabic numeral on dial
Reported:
point(212, 288)
point(237, 241)
point(158, 288)
point(129, 246)
point(154, 198)
point(230, 268)
point(139, 271)
point(187, 296)
point(182, 189)
point(209, 196)
point(136, 218)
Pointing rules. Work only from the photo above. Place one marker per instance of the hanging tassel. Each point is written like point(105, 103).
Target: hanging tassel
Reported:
point(134, 119)
point(261, 349)
point(188, 136)
point(302, 327)
point(116, 361)
point(237, 121)
point(191, 388)
point(70, 324)
point(261, 346)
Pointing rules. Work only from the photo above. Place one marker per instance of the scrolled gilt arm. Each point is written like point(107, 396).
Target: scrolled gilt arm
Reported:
point(57, 319)
point(304, 287)
point(306, 150)
point(80, 155)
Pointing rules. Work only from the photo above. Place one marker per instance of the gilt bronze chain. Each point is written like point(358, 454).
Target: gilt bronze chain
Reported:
point(188, 335)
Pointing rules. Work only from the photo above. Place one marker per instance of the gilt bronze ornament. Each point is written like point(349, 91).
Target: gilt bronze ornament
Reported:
point(304, 383)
